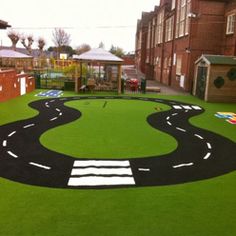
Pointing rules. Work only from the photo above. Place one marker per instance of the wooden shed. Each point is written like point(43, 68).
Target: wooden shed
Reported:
point(215, 78)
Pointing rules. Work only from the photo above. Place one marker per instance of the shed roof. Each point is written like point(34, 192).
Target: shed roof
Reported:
point(99, 55)
point(7, 53)
point(218, 59)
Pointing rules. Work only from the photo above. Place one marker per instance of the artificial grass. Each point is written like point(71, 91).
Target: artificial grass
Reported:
point(116, 130)
point(196, 209)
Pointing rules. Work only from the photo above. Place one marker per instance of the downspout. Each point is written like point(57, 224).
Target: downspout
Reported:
point(172, 49)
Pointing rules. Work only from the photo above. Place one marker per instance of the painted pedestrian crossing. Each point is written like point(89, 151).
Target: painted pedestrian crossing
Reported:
point(101, 173)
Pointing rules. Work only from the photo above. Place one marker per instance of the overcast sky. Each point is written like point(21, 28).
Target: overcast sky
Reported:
point(87, 21)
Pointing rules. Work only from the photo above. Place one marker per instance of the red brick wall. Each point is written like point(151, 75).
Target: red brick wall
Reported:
point(10, 84)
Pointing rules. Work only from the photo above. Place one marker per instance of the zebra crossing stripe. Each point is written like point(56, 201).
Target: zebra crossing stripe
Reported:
point(100, 181)
point(100, 163)
point(101, 173)
point(177, 107)
point(186, 107)
point(196, 108)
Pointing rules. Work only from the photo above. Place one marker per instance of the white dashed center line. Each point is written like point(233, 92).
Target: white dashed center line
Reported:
point(144, 169)
point(40, 166)
point(168, 118)
point(28, 126)
point(58, 110)
point(209, 145)
point(198, 136)
point(169, 123)
point(12, 154)
point(9, 135)
point(182, 165)
point(207, 156)
point(4, 143)
point(183, 130)
point(53, 119)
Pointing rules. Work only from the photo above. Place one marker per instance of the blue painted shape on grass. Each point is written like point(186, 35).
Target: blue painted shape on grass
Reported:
point(50, 93)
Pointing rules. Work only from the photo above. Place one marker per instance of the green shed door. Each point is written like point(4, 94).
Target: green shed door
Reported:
point(201, 81)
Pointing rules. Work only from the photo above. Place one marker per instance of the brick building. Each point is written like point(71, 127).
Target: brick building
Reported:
point(177, 32)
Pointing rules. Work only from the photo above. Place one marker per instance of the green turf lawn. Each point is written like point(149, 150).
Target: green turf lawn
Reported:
point(196, 209)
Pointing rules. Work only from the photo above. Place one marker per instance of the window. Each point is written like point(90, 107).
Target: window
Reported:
point(230, 24)
point(178, 65)
point(182, 20)
point(149, 36)
point(187, 17)
point(169, 29)
point(160, 19)
point(173, 4)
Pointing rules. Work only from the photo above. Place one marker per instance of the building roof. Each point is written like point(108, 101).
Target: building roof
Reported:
point(3, 24)
point(218, 59)
point(99, 55)
point(6, 53)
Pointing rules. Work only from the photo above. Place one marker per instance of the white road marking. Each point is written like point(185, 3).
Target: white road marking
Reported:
point(198, 136)
point(207, 156)
point(182, 165)
point(177, 107)
point(101, 171)
point(168, 118)
point(53, 118)
point(183, 130)
point(46, 104)
point(40, 166)
point(12, 154)
point(174, 114)
point(186, 110)
point(58, 110)
point(209, 145)
point(28, 126)
point(196, 107)
point(4, 143)
point(169, 123)
point(87, 163)
point(144, 169)
point(187, 107)
point(100, 181)
point(60, 114)
point(9, 135)
point(52, 101)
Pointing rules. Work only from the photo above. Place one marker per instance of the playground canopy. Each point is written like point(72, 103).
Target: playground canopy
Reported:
point(10, 58)
point(98, 57)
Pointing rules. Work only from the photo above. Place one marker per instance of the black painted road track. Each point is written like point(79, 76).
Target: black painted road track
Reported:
point(200, 154)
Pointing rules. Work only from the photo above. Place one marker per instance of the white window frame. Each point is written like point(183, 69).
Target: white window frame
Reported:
point(178, 64)
point(169, 29)
point(230, 24)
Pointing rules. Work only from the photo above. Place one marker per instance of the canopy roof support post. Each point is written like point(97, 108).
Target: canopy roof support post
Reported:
point(119, 79)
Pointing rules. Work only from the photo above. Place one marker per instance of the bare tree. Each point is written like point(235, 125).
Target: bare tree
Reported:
point(41, 44)
point(60, 37)
point(14, 37)
point(82, 48)
point(27, 45)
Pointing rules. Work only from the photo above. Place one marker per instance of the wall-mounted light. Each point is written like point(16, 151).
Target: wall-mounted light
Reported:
point(187, 50)
point(192, 15)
